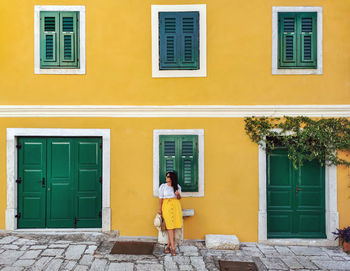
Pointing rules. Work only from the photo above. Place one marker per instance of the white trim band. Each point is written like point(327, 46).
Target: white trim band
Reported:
point(176, 111)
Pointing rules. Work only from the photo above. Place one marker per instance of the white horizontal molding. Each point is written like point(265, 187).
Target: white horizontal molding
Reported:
point(175, 111)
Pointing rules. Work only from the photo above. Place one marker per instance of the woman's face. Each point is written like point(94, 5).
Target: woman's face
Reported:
point(168, 180)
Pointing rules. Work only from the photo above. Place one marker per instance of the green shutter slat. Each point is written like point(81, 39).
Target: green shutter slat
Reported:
point(69, 39)
point(178, 40)
point(297, 33)
point(49, 39)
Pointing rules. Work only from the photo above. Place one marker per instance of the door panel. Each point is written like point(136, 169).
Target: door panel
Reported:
point(88, 186)
point(60, 173)
point(295, 198)
point(31, 193)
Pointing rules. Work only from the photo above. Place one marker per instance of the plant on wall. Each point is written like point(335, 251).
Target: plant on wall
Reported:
point(305, 138)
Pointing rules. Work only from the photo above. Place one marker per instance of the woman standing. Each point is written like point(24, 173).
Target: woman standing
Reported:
point(170, 208)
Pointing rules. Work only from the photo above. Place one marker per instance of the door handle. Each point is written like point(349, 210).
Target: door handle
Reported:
point(297, 189)
point(43, 182)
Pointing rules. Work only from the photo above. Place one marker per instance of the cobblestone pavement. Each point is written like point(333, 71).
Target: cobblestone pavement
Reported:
point(91, 252)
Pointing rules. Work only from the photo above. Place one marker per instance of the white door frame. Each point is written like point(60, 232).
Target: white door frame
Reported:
point(13, 133)
point(332, 216)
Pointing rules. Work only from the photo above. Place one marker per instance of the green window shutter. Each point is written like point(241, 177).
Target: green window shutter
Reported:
point(297, 43)
point(179, 153)
point(167, 156)
point(287, 40)
point(69, 39)
point(179, 40)
point(49, 39)
point(307, 33)
point(188, 172)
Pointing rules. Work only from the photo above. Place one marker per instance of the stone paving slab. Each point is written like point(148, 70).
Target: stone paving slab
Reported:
point(80, 253)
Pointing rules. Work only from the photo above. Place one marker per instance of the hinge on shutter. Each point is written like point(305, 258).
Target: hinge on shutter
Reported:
point(18, 146)
point(75, 222)
point(100, 214)
point(18, 216)
point(19, 180)
point(100, 180)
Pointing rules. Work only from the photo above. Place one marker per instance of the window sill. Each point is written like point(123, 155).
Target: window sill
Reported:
point(156, 73)
point(297, 71)
point(60, 71)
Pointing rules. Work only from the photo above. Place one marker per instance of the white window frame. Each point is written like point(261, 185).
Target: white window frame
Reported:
point(200, 133)
point(275, 69)
point(202, 72)
point(82, 57)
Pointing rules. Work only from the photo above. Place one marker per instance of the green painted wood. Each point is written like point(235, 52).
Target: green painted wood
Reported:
point(60, 183)
point(294, 214)
point(179, 40)
point(307, 31)
point(179, 153)
point(69, 39)
point(49, 39)
point(88, 196)
point(297, 40)
point(71, 195)
point(31, 193)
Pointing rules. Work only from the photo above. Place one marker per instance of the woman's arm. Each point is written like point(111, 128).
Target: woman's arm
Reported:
point(160, 206)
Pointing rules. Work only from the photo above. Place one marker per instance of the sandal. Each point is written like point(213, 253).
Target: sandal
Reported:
point(173, 253)
point(167, 249)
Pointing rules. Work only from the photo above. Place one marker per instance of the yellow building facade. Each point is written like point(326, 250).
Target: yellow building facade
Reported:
point(117, 92)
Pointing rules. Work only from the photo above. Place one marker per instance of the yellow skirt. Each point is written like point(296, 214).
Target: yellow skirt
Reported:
point(172, 213)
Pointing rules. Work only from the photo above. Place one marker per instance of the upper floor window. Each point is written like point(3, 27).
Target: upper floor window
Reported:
point(297, 40)
point(179, 40)
point(59, 39)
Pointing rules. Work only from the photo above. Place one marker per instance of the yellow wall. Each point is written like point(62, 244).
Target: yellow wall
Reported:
point(230, 205)
point(118, 41)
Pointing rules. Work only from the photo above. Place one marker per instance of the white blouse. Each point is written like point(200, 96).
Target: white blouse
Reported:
point(167, 192)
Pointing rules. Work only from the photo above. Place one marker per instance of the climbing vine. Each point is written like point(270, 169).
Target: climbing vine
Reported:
point(305, 138)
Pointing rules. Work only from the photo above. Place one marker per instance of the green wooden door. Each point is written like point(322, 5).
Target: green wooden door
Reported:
point(295, 198)
point(60, 183)
point(31, 182)
point(88, 187)
point(70, 180)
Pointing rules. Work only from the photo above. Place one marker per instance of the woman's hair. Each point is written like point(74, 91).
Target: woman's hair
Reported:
point(173, 178)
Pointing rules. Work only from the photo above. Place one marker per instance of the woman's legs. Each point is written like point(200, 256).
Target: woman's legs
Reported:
point(171, 238)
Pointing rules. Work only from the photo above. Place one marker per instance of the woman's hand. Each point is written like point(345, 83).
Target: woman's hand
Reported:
point(177, 194)
point(160, 211)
